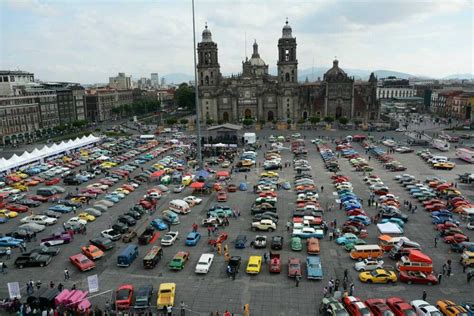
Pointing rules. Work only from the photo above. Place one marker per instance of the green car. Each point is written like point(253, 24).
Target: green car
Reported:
point(350, 246)
point(179, 260)
point(296, 244)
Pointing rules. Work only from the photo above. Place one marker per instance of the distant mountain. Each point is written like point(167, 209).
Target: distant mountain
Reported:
point(178, 78)
point(460, 76)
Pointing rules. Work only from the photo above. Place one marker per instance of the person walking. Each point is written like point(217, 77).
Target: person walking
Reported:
point(440, 276)
point(297, 279)
point(424, 296)
point(66, 274)
point(8, 252)
point(325, 291)
point(351, 289)
point(322, 189)
point(436, 242)
point(265, 258)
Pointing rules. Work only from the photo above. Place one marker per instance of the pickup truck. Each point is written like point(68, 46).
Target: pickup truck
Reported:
point(275, 263)
point(166, 295)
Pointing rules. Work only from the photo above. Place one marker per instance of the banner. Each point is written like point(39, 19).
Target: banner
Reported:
point(93, 282)
point(14, 290)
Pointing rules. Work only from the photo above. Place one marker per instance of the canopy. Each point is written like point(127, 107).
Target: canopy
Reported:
point(37, 154)
point(222, 174)
point(389, 228)
point(417, 256)
point(157, 174)
point(197, 185)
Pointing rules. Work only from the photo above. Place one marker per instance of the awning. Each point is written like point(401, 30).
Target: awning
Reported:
point(197, 185)
point(157, 174)
point(389, 228)
point(417, 256)
point(222, 174)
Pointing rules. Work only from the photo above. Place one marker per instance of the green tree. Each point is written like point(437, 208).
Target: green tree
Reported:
point(117, 110)
point(328, 119)
point(171, 121)
point(184, 97)
point(301, 121)
point(314, 120)
point(343, 120)
point(184, 121)
point(248, 121)
point(209, 121)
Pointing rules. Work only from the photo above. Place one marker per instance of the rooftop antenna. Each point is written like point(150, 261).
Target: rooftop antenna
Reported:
point(312, 71)
point(245, 45)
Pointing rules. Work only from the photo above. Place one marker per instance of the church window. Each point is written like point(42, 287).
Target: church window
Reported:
point(358, 114)
point(288, 100)
point(292, 78)
point(305, 115)
point(207, 102)
point(270, 99)
point(270, 116)
point(212, 74)
point(287, 55)
point(225, 116)
point(287, 77)
point(224, 100)
point(318, 113)
point(207, 80)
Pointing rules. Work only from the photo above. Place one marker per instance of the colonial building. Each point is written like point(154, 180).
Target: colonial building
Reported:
point(256, 94)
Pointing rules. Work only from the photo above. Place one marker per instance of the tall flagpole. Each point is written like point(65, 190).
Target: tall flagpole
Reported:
point(198, 114)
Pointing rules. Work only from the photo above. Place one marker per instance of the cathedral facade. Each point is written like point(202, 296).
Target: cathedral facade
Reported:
point(258, 95)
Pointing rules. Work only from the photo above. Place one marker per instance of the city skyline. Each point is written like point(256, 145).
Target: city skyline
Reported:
point(90, 41)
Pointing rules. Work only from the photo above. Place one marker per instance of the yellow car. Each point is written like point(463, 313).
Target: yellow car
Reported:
point(269, 174)
point(122, 190)
point(254, 265)
point(444, 165)
point(66, 159)
point(246, 163)
point(20, 187)
point(21, 175)
point(86, 217)
point(378, 276)
point(81, 199)
point(448, 308)
point(8, 214)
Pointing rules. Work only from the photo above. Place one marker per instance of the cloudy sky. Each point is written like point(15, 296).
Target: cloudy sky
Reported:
point(88, 41)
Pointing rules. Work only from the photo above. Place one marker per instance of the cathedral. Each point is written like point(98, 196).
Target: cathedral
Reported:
point(256, 94)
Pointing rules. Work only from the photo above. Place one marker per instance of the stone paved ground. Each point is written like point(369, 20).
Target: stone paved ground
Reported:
point(267, 294)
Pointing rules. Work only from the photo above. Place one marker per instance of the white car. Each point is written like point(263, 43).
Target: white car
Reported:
point(178, 189)
point(98, 186)
point(76, 220)
point(39, 219)
point(169, 239)
point(204, 263)
point(192, 200)
point(368, 265)
point(401, 129)
point(424, 308)
point(470, 225)
point(32, 227)
point(111, 234)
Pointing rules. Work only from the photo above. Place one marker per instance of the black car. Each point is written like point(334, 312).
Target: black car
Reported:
point(52, 214)
point(277, 243)
point(71, 181)
point(138, 208)
point(143, 296)
point(233, 266)
point(128, 220)
point(240, 241)
point(22, 234)
point(43, 250)
point(258, 209)
point(394, 214)
point(33, 260)
point(120, 227)
point(134, 214)
point(266, 215)
point(29, 202)
point(102, 243)
point(146, 236)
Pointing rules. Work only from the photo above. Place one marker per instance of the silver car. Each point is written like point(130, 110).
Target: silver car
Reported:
point(93, 211)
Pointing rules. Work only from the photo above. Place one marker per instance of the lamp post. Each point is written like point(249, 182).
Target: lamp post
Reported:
point(198, 119)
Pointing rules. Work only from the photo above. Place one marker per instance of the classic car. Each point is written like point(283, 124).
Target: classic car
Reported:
point(82, 262)
point(378, 276)
point(192, 239)
point(240, 242)
point(129, 236)
point(294, 267)
point(111, 234)
point(102, 243)
point(277, 242)
point(159, 224)
point(314, 268)
point(368, 265)
point(92, 252)
point(169, 238)
point(61, 208)
point(32, 260)
point(260, 242)
point(179, 260)
point(296, 244)
point(124, 296)
point(147, 235)
point(418, 277)
point(10, 242)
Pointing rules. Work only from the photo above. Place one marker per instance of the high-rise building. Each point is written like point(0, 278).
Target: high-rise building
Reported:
point(155, 82)
point(121, 82)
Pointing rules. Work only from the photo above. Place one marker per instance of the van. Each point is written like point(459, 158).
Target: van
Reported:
point(179, 206)
point(152, 257)
point(467, 258)
point(127, 256)
point(387, 242)
point(46, 192)
point(403, 249)
point(361, 252)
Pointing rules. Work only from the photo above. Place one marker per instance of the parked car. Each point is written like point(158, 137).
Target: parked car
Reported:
point(314, 268)
point(32, 260)
point(170, 238)
point(82, 262)
point(192, 239)
point(102, 243)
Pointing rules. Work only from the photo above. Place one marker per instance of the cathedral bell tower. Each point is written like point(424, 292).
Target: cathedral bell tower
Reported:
point(208, 66)
point(287, 62)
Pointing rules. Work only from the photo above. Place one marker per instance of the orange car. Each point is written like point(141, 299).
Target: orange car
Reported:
point(92, 252)
point(312, 246)
point(31, 183)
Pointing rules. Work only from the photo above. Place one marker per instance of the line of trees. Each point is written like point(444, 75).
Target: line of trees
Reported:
point(138, 107)
point(185, 97)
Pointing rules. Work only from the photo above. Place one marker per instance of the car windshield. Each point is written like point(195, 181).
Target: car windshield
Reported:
point(364, 311)
point(122, 294)
point(409, 312)
point(341, 312)
point(294, 266)
point(388, 313)
point(167, 237)
point(177, 260)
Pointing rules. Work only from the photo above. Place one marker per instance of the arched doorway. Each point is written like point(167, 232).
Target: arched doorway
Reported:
point(305, 115)
point(225, 117)
point(248, 114)
point(338, 112)
point(270, 116)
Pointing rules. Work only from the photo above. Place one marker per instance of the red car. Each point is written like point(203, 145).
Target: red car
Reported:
point(275, 264)
point(219, 240)
point(128, 187)
point(39, 179)
point(400, 307)
point(221, 196)
point(418, 277)
point(432, 201)
point(38, 198)
point(356, 211)
point(82, 262)
point(445, 226)
point(378, 307)
point(107, 182)
point(17, 208)
point(52, 181)
point(294, 267)
point(355, 307)
point(124, 296)
point(435, 207)
point(456, 238)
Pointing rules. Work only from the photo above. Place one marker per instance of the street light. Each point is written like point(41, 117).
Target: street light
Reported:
point(198, 119)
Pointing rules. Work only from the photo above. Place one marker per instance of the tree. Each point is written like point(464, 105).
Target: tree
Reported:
point(184, 121)
point(117, 110)
point(328, 119)
point(343, 120)
point(248, 121)
point(209, 121)
point(301, 121)
point(184, 97)
point(315, 119)
point(171, 121)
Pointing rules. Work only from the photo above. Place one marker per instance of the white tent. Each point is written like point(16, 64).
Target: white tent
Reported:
point(389, 228)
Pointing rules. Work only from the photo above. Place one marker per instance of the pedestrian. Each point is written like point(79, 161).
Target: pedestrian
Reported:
point(440, 276)
point(2, 267)
point(208, 231)
point(330, 286)
point(322, 189)
point(424, 296)
point(325, 291)
point(344, 284)
point(181, 305)
point(449, 271)
point(330, 235)
point(245, 177)
point(66, 274)
point(51, 284)
point(297, 279)
point(351, 289)
point(288, 226)
point(336, 285)
point(436, 242)
point(8, 252)
point(346, 272)
point(169, 310)
point(60, 287)
point(463, 268)
point(38, 284)
point(469, 276)
point(265, 257)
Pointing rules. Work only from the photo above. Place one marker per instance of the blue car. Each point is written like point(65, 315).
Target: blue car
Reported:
point(346, 238)
point(394, 220)
point(159, 224)
point(112, 198)
point(240, 241)
point(441, 213)
point(60, 208)
point(314, 268)
point(10, 242)
point(243, 186)
point(361, 219)
point(3, 220)
point(441, 219)
point(193, 239)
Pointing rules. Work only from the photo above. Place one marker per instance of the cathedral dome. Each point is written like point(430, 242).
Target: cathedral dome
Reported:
point(335, 72)
point(255, 60)
point(287, 30)
point(206, 35)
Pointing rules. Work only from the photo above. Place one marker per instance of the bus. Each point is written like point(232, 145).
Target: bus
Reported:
point(387, 242)
point(441, 145)
point(465, 154)
point(415, 261)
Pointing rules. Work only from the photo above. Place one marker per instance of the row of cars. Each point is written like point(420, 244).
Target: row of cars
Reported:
point(392, 306)
point(436, 161)
point(389, 162)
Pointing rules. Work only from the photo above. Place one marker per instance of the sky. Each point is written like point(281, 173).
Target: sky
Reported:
point(89, 41)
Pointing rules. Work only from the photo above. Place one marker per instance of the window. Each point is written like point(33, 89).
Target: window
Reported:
point(287, 55)
point(287, 77)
